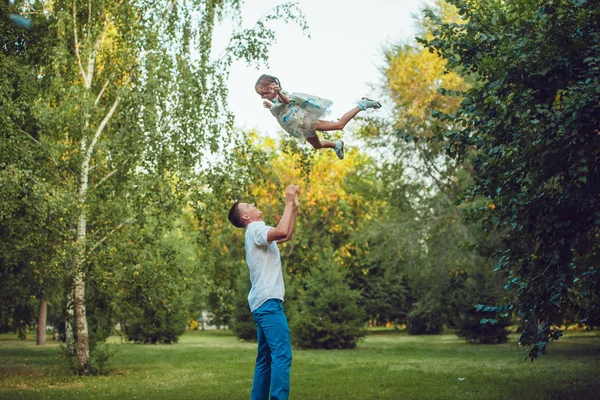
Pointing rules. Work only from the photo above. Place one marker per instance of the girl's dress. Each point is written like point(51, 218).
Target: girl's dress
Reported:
point(303, 110)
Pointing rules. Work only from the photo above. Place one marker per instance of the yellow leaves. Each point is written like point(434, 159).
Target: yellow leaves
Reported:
point(193, 324)
point(269, 142)
point(414, 77)
point(491, 206)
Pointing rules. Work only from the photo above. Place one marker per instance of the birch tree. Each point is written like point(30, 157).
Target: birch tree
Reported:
point(134, 98)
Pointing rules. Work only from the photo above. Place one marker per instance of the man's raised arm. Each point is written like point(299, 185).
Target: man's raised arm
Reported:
point(283, 231)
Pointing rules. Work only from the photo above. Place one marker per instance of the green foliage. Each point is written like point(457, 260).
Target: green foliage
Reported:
point(97, 362)
point(242, 323)
point(479, 325)
point(115, 105)
point(255, 172)
point(326, 313)
point(155, 326)
point(425, 317)
point(153, 284)
point(31, 205)
point(533, 120)
point(426, 262)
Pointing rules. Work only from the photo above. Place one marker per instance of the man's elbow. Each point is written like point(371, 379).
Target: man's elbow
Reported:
point(285, 239)
point(277, 235)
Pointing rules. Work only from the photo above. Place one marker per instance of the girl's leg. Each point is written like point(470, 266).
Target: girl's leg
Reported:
point(335, 125)
point(337, 146)
point(320, 144)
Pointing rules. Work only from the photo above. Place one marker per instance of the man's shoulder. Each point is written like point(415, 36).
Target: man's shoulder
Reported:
point(255, 226)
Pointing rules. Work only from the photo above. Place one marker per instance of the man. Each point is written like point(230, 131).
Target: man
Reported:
point(274, 359)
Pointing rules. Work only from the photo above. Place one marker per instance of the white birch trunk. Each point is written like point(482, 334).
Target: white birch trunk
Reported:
point(83, 352)
point(69, 337)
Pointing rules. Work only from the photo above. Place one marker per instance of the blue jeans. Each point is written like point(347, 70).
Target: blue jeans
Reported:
point(274, 359)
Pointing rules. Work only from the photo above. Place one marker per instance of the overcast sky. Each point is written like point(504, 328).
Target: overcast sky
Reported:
point(339, 61)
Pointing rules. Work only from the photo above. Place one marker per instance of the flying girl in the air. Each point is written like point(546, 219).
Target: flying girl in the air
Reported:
point(299, 114)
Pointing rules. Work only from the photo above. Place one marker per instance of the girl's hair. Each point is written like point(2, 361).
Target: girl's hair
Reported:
point(267, 80)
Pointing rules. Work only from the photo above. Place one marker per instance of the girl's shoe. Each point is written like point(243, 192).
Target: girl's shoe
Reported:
point(339, 149)
point(365, 103)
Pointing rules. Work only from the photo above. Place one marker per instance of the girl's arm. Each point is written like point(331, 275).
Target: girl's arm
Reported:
point(282, 96)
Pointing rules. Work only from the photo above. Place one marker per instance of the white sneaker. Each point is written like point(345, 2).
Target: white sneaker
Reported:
point(339, 149)
point(365, 103)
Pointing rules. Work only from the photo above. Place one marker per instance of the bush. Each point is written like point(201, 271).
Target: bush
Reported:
point(242, 323)
point(156, 326)
point(473, 330)
point(424, 320)
point(328, 315)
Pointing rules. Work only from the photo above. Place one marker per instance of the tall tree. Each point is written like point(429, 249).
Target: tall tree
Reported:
point(533, 118)
point(419, 244)
point(31, 207)
point(132, 99)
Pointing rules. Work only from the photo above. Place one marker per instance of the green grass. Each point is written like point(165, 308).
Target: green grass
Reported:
point(216, 365)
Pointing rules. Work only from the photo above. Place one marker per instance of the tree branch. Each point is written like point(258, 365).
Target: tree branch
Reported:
point(167, 11)
point(105, 178)
point(48, 150)
point(81, 71)
point(102, 91)
point(122, 224)
point(94, 52)
point(99, 130)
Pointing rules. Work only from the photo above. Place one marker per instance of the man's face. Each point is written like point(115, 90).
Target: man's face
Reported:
point(250, 211)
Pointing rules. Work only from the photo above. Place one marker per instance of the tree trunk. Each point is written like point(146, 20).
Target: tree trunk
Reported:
point(41, 328)
point(83, 353)
point(69, 337)
point(79, 279)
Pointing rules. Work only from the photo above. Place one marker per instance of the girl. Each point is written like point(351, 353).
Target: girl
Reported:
point(299, 113)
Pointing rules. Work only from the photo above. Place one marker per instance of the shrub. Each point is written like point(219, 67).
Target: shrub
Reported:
point(156, 326)
point(424, 320)
point(242, 323)
point(328, 315)
point(491, 331)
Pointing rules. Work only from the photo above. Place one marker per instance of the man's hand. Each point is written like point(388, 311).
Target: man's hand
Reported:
point(291, 194)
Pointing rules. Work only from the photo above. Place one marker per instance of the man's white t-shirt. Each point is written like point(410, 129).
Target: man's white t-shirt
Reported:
point(265, 265)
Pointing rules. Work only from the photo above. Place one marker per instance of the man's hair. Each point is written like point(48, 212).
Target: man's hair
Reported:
point(234, 215)
point(267, 80)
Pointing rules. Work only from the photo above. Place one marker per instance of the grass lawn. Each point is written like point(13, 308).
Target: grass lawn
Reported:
point(386, 365)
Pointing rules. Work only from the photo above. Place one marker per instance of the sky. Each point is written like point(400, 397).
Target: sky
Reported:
point(340, 61)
